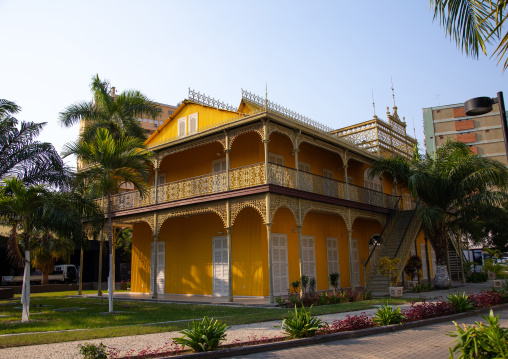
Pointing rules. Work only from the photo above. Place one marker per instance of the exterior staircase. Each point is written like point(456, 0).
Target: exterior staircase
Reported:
point(454, 256)
point(396, 242)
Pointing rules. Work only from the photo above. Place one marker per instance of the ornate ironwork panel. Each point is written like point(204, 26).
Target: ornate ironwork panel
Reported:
point(247, 176)
point(258, 202)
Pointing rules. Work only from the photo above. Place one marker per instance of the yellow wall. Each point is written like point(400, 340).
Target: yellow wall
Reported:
point(247, 149)
point(250, 254)
point(321, 226)
point(320, 159)
point(140, 267)
point(207, 116)
point(189, 253)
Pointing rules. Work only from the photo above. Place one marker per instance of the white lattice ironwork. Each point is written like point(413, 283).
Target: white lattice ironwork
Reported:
point(312, 206)
point(247, 176)
point(193, 187)
point(257, 128)
point(136, 218)
point(257, 202)
point(279, 201)
point(357, 213)
point(218, 208)
point(192, 144)
point(204, 100)
point(269, 105)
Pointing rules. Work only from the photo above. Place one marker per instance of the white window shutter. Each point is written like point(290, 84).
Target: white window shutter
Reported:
point(193, 123)
point(332, 254)
point(161, 266)
point(182, 126)
point(308, 256)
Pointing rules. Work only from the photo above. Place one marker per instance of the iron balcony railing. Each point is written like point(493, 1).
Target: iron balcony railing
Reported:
point(249, 176)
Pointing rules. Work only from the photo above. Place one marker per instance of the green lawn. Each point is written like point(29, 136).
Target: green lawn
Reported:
point(60, 312)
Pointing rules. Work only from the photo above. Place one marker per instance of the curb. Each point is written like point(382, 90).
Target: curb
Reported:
point(294, 343)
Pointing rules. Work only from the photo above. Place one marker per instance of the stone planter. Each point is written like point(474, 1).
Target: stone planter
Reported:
point(498, 283)
point(412, 283)
point(395, 291)
point(491, 275)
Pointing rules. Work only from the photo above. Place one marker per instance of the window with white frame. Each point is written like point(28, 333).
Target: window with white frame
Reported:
point(193, 123)
point(182, 126)
point(275, 158)
point(303, 166)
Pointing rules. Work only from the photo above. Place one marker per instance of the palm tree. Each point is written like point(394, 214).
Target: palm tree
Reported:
point(450, 186)
point(47, 248)
point(22, 156)
point(116, 114)
point(473, 24)
point(109, 163)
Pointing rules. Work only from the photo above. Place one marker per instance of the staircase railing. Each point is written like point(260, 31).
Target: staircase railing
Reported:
point(388, 227)
point(460, 254)
point(411, 231)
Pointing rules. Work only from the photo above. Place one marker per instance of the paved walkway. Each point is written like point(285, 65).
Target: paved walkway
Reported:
point(429, 341)
point(135, 344)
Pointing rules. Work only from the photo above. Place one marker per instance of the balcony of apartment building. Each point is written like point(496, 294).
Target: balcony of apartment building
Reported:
point(241, 161)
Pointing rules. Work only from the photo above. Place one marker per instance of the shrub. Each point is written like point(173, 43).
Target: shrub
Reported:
point(93, 351)
point(477, 277)
point(301, 324)
point(486, 299)
point(481, 341)
point(426, 310)
point(295, 285)
point(413, 267)
point(388, 268)
point(460, 302)
point(203, 335)
point(422, 288)
point(350, 323)
point(280, 301)
point(387, 315)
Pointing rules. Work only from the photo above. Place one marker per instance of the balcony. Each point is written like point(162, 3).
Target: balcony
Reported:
point(250, 176)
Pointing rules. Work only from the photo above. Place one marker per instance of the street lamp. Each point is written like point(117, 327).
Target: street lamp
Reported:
point(481, 105)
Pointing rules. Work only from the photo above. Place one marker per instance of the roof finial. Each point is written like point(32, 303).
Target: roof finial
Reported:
point(414, 130)
point(393, 92)
point(373, 103)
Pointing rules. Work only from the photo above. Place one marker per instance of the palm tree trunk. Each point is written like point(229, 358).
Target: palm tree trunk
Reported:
point(25, 292)
point(441, 277)
point(110, 240)
point(80, 291)
point(99, 281)
point(45, 277)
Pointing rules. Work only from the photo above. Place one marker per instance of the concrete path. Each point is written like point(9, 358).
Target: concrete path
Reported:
point(135, 344)
point(429, 341)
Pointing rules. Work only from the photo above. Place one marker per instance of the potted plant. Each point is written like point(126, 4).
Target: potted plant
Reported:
point(388, 268)
point(497, 271)
point(333, 279)
point(490, 263)
point(412, 269)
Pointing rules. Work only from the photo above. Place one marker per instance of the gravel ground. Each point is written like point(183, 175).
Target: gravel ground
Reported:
point(138, 343)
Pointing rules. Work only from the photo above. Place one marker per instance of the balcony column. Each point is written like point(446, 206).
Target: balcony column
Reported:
point(154, 264)
point(300, 248)
point(228, 183)
point(156, 181)
point(346, 180)
point(265, 143)
point(297, 179)
point(270, 268)
point(230, 265)
point(350, 250)
point(230, 252)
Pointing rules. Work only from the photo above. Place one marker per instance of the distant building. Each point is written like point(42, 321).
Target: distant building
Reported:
point(483, 134)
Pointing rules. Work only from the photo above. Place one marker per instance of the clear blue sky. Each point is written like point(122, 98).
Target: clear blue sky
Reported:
point(320, 58)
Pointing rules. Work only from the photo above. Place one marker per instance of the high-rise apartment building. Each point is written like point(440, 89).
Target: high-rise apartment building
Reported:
point(483, 134)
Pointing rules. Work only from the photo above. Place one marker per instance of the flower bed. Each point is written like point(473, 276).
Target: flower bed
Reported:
point(416, 312)
point(308, 299)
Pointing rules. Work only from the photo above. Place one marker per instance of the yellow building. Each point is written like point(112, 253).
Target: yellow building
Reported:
point(249, 198)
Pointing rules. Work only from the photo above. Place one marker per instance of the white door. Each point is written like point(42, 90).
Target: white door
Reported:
point(305, 177)
point(433, 261)
point(308, 256)
point(161, 267)
point(218, 175)
point(280, 264)
point(220, 266)
point(356, 263)
point(332, 255)
point(408, 204)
